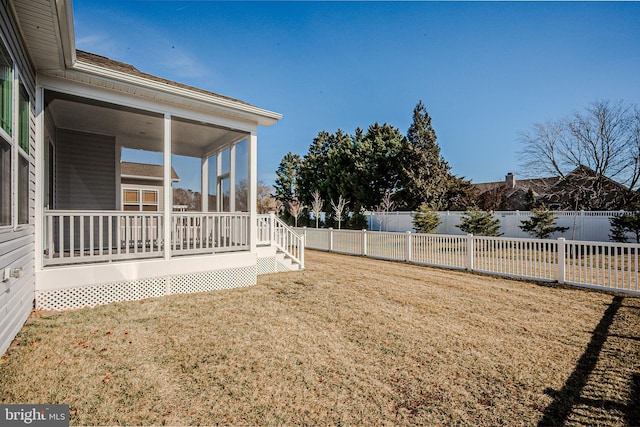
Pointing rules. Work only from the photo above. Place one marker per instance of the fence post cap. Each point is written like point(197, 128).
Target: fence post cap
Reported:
point(470, 234)
point(562, 238)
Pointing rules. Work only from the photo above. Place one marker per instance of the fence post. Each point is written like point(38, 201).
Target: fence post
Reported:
point(303, 240)
point(364, 242)
point(304, 234)
point(408, 246)
point(562, 250)
point(330, 239)
point(470, 251)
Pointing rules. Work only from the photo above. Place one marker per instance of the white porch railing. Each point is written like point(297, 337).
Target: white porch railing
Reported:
point(73, 237)
point(609, 266)
point(196, 232)
point(272, 230)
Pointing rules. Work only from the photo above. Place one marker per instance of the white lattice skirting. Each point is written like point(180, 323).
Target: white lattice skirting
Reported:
point(90, 296)
point(271, 264)
point(267, 265)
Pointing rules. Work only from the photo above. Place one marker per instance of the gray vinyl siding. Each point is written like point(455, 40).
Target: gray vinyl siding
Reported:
point(85, 171)
point(17, 248)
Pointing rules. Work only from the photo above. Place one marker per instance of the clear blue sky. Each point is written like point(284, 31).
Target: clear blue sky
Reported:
point(485, 71)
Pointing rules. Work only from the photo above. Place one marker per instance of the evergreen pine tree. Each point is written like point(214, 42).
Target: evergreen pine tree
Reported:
point(541, 224)
point(287, 175)
point(424, 174)
point(626, 223)
point(480, 223)
point(425, 220)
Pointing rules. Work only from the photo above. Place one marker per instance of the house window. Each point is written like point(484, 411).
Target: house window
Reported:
point(23, 120)
point(6, 90)
point(15, 111)
point(5, 183)
point(140, 200)
point(23, 190)
point(23, 159)
point(149, 201)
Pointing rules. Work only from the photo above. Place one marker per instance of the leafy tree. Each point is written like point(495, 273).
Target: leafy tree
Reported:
point(541, 224)
point(530, 199)
point(425, 220)
point(461, 194)
point(357, 220)
point(480, 223)
point(287, 175)
point(376, 156)
point(628, 222)
point(424, 174)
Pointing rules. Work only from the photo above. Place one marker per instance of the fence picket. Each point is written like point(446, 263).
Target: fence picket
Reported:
point(587, 264)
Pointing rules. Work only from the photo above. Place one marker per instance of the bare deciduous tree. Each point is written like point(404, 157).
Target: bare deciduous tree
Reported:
point(316, 205)
point(264, 199)
point(296, 208)
point(604, 138)
point(381, 211)
point(338, 210)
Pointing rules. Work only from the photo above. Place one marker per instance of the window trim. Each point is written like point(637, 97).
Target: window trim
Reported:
point(140, 203)
point(17, 154)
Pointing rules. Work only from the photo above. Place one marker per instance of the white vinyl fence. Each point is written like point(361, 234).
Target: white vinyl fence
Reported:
point(608, 266)
point(583, 225)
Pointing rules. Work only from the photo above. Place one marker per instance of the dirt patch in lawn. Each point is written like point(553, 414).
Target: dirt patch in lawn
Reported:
point(348, 341)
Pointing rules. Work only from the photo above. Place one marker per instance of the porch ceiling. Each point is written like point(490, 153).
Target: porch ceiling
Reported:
point(136, 128)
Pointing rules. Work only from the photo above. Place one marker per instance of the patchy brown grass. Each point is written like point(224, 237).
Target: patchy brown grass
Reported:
point(347, 341)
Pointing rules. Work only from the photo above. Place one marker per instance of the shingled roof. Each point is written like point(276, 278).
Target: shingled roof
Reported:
point(111, 64)
point(145, 170)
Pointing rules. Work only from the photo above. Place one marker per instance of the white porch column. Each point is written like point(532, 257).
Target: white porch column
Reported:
point(167, 193)
point(232, 178)
point(252, 178)
point(219, 194)
point(205, 184)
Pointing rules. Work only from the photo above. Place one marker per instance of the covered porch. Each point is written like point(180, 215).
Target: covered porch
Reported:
point(89, 217)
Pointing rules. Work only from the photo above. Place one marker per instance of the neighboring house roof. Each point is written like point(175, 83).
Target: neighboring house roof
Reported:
point(581, 186)
point(585, 188)
point(111, 64)
point(126, 75)
point(145, 171)
point(537, 185)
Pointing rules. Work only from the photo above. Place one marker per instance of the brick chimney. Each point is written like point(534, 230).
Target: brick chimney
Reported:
point(510, 181)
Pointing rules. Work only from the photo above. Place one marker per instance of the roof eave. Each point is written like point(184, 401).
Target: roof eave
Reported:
point(259, 115)
point(64, 10)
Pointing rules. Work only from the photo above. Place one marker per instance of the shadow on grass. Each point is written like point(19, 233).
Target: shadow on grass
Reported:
point(565, 399)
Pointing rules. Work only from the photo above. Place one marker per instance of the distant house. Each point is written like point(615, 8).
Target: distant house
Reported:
point(581, 189)
point(141, 186)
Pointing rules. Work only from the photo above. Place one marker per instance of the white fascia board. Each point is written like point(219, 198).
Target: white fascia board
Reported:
point(259, 115)
point(64, 9)
point(66, 84)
